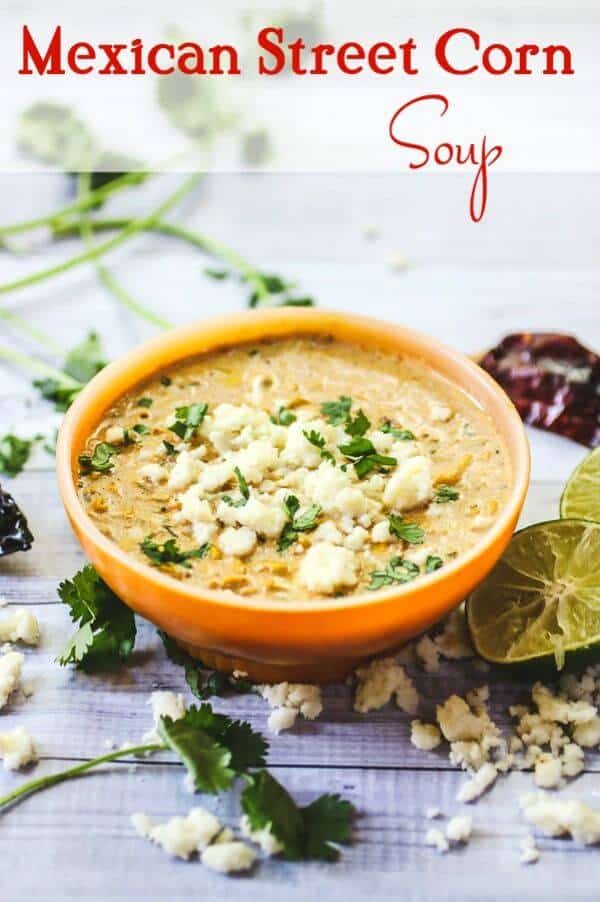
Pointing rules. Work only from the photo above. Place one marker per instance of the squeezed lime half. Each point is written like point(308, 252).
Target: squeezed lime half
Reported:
point(581, 497)
point(542, 599)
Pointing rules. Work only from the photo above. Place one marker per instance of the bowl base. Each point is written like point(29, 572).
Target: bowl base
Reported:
point(310, 671)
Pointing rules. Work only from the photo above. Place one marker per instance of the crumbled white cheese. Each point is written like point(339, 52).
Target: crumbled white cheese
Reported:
point(559, 817)
point(115, 435)
point(326, 568)
point(424, 736)
point(228, 857)
point(180, 836)
point(529, 851)
point(561, 710)
point(428, 652)
point(152, 473)
point(587, 734)
point(185, 470)
point(459, 828)
point(17, 749)
point(164, 704)
point(266, 519)
point(237, 542)
point(21, 626)
point(379, 681)
point(11, 666)
point(288, 700)
point(381, 532)
point(457, 721)
point(547, 772)
point(410, 485)
point(268, 843)
point(432, 813)
point(357, 538)
point(477, 785)
point(572, 760)
point(203, 532)
point(327, 532)
point(454, 642)
point(436, 838)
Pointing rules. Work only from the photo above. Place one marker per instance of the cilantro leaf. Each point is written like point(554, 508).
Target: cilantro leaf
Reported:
point(205, 759)
point(144, 402)
point(141, 429)
point(62, 396)
point(244, 490)
point(248, 748)
point(284, 417)
point(405, 435)
point(365, 458)
point(106, 633)
point(432, 563)
point(305, 833)
point(397, 571)
point(446, 493)
point(358, 426)
point(318, 441)
point(187, 420)
point(170, 448)
point(337, 412)
point(279, 293)
point(166, 381)
point(169, 553)
point(85, 360)
point(296, 524)
point(215, 684)
point(219, 275)
point(101, 459)
point(14, 454)
point(408, 532)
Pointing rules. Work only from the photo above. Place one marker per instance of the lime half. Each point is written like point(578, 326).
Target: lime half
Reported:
point(543, 597)
point(581, 497)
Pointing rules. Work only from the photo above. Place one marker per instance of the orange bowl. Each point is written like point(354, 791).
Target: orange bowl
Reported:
point(301, 640)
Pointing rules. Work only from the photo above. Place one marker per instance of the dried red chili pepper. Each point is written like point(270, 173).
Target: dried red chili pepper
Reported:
point(14, 531)
point(553, 381)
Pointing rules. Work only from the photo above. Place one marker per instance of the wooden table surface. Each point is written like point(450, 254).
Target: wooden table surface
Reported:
point(531, 265)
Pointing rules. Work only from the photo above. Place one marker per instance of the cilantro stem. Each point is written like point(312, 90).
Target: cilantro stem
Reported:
point(84, 202)
point(134, 227)
point(209, 245)
point(18, 322)
point(38, 366)
point(33, 786)
point(104, 274)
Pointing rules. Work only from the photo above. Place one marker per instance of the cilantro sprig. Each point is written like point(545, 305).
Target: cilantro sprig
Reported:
point(203, 686)
point(405, 435)
point(411, 533)
point(101, 459)
point(397, 572)
point(433, 563)
point(362, 453)
point(336, 412)
point(318, 441)
point(81, 364)
point(168, 552)
point(244, 491)
point(446, 493)
point(297, 523)
point(305, 832)
point(187, 420)
point(106, 627)
point(15, 452)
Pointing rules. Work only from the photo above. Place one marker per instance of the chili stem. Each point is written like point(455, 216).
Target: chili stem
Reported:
point(33, 786)
point(135, 226)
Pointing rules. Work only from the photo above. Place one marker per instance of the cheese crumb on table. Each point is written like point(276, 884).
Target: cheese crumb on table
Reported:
point(562, 817)
point(17, 749)
point(432, 813)
point(529, 851)
point(11, 667)
point(436, 838)
point(268, 843)
point(459, 828)
point(21, 626)
point(428, 653)
point(424, 736)
point(547, 772)
point(381, 679)
point(228, 857)
point(180, 836)
point(477, 785)
point(164, 704)
point(288, 701)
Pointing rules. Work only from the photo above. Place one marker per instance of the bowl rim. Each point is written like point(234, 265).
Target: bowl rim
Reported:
point(300, 321)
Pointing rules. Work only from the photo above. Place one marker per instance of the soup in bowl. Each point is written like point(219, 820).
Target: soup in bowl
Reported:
point(288, 492)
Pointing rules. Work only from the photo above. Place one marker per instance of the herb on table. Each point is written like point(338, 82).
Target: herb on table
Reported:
point(144, 402)
point(433, 563)
point(305, 832)
point(14, 453)
point(213, 748)
point(169, 552)
point(297, 523)
point(101, 461)
point(397, 571)
point(446, 493)
point(318, 441)
point(106, 633)
point(50, 443)
point(408, 532)
point(187, 420)
point(219, 275)
point(170, 448)
point(244, 491)
point(269, 289)
point(337, 412)
point(82, 363)
point(203, 686)
point(405, 435)
point(284, 417)
point(361, 452)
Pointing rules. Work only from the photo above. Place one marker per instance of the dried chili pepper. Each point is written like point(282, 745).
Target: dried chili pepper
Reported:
point(14, 532)
point(553, 381)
